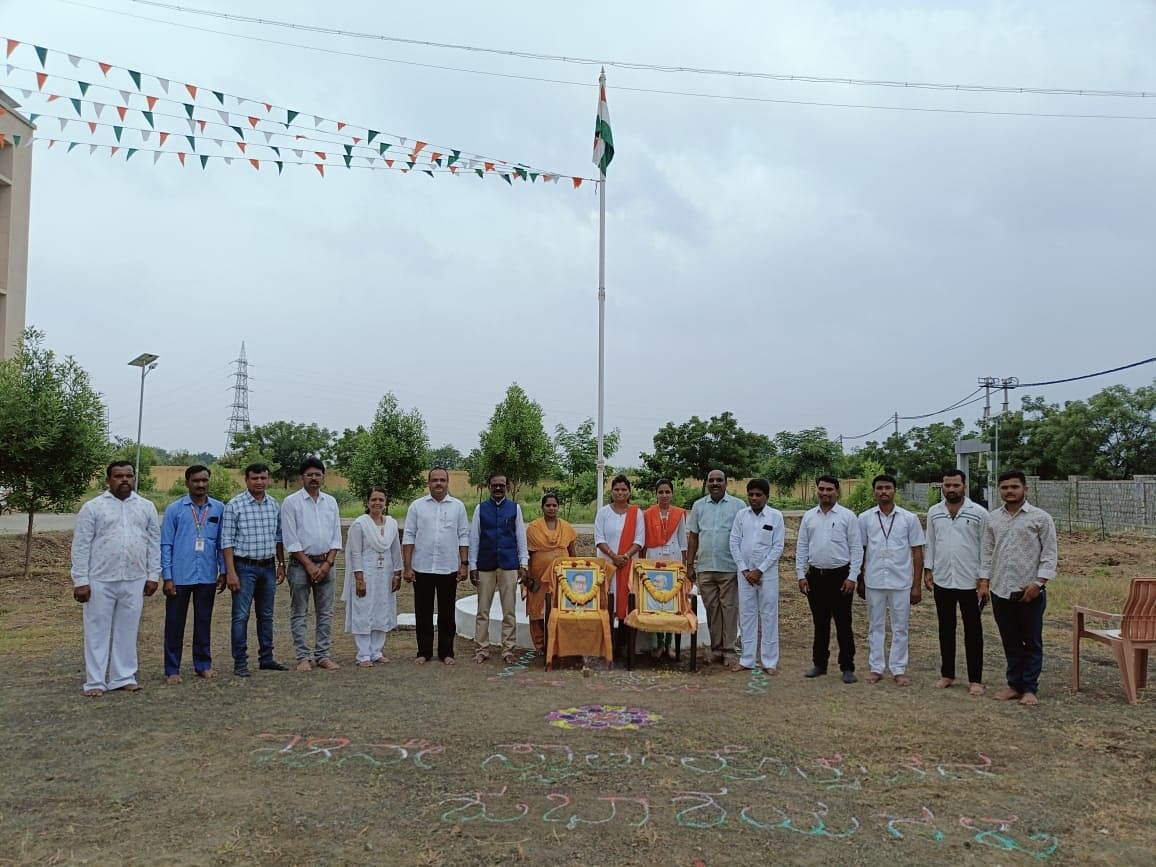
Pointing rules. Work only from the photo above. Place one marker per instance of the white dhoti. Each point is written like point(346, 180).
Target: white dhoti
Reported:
point(111, 622)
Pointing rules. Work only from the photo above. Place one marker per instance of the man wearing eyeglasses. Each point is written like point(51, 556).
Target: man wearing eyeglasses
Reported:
point(499, 559)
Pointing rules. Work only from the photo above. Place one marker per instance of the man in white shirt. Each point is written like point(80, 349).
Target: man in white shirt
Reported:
point(892, 568)
point(954, 539)
point(756, 543)
point(311, 532)
point(435, 548)
point(116, 562)
point(828, 556)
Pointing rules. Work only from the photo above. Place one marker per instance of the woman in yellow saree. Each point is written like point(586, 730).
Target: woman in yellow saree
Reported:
point(548, 538)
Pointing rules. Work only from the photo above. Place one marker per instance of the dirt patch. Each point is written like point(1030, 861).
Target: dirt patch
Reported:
point(492, 765)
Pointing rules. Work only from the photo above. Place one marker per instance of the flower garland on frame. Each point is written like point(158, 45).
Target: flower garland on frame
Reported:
point(580, 599)
point(657, 593)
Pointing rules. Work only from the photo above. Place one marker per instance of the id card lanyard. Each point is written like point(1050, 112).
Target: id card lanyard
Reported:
point(199, 523)
point(886, 552)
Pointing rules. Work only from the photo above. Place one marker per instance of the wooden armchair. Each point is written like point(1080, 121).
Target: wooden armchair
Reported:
point(578, 610)
point(660, 601)
point(1130, 643)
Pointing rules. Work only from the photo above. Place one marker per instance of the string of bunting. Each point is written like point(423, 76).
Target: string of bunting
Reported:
point(372, 146)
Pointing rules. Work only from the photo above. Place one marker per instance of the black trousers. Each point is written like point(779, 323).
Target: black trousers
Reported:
point(828, 601)
point(946, 602)
point(425, 587)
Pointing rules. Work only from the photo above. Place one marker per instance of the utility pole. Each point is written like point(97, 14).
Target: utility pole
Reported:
point(896, 422)
point(239, 412)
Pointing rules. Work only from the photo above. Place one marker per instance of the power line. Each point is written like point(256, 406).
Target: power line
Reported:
point(654, 67)
point(959, 403)
point(1086, 375)
point(887, 421)
point(624, 88)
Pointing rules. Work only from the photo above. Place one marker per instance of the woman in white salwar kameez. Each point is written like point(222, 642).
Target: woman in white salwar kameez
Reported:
point(372, 579)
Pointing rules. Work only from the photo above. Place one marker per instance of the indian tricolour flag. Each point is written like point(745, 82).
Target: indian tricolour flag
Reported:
point(603, 140)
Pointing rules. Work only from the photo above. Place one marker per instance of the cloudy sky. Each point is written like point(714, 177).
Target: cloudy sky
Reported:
point(798, 265)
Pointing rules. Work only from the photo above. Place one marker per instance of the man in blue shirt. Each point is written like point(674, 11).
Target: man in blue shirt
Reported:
point(192, 567)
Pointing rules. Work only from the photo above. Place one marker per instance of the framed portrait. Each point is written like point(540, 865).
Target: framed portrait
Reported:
point(583, 595)
point(658, 585)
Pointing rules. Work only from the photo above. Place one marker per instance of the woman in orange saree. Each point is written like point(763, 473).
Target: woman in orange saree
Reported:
point(548, 538)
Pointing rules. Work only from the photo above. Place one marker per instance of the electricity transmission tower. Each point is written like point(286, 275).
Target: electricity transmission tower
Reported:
point(239, 417)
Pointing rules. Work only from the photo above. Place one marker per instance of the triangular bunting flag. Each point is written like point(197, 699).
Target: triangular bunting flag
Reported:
point(152, 102)
point(128, 156)
point(135, 76)
point(188, 109)
point(181, 157)
point(428, 172)
point(411, 164)
point(275, 149)
point(240, 146)
point(280, 165)
point(521, 173)
point(71, 145)
point(220, 96)
point(223, 115)
point(348, 161)
point(479, 173)
point(42, 53)
point(145, 135)
point(98, 107)
point(63, 123)
point(435, 157)
point(192, 89)
point(75, 104)
point(27, 94)
point(164, 83)
point(218, 143)
point(91, 149)
point(124, 96)
point(320, 169)
point(506, 178)
point(92, 126)
point(104, 67)
point(83, 85)
point(32, 117)
point(453, 157)
point(74, 60)
point(383, 147)
point(228, 160)
point(41, 77)
point(118, 131)
point(357, 140)
point(533, 177)
point(52, 97)
point(253, 121)
point(547, 178)
point(240, 132)
point(290, 114)
point(201, 124)
point(164, 138)
point(121, 110)
point(148, 116)
point(340, 126)
point(268, 136)
point(371, 134)
point(113, 150)
point(298, 153)
point(204, 161)
point(389, 163)
point(12, 44)
point(417, 149)
point(577, 182)
point(319, 154)
point(371, 160)
point(51, 142)
point(453, 170)
point(192, 143)
point(192, 125)
point(488, 166)
point(348, 149)
point(317, 120)
point(268, 107)
point(157, 157)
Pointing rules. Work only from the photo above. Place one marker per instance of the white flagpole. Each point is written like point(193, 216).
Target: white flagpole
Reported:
point(601, 316)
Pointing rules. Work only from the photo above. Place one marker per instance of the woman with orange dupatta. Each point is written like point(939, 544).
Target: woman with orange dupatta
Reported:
point(666, 542)
point(618, 536)
point(548, 538)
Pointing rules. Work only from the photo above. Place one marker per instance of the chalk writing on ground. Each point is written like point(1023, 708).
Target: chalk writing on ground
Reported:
point(301, 751)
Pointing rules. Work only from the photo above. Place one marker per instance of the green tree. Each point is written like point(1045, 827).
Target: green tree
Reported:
point(446, 456)
point(930, 451)
point(576, 454)
point(52, 437)
point(124, 449)
point(475, 467)
point(283, 445)
point(891, 455)
point(394, 453)
point(801, 455)
point(515, 442)
point(345, 446)
point(695, 447)
point(862, 496)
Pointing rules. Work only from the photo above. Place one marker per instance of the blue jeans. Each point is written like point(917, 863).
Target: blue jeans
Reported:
point(258, 584)
point(177, 614)
point(1021, 629)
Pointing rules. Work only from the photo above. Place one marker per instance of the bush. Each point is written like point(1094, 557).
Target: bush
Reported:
point(862, 497)
point(222, 485)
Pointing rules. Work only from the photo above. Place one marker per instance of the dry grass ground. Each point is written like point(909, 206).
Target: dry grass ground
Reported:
point(440, 765)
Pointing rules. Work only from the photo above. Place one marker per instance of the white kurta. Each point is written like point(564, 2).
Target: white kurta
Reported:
point(375, 551)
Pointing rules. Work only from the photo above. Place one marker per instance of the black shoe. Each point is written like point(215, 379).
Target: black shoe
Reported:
point(815, 671)
point(243, 671)
point(273, 666)
point(849, 677)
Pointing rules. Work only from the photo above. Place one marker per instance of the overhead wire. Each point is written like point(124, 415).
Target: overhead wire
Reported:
point(1084, 376)
point(653, 67)
point(620, 87)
